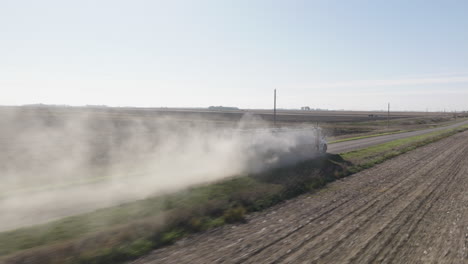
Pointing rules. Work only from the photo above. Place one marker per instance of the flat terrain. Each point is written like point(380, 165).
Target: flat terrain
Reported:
point(346, 146)
point(83, 144)
point(411, 209)
point(213, 116)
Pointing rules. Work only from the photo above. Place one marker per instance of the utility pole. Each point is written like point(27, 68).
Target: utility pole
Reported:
point(388, 116)
point(274, 108)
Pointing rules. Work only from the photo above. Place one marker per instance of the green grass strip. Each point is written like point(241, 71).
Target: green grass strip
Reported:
point(368, 157)
point(368, 136)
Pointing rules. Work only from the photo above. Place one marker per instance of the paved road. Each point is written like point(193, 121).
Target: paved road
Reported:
point(346, 146)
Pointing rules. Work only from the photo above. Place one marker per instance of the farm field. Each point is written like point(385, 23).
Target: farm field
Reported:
point(109, 181)
point(203, 114)
point(98, 141)
point(199, 132)
point(338, 124)
point(411, 209)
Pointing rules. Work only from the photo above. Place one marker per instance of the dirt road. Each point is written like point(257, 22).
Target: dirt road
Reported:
point(411, 209)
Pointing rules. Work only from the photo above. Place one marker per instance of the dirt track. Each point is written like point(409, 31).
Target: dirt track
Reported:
point(411, 209)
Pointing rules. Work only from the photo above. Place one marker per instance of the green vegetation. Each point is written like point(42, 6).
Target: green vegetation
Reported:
point(368, 157)
point(122, 233)
point(368, 136)
point(371, 128)
point(422, 122)
point(236, 214)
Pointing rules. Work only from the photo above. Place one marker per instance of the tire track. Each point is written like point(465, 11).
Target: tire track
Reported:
point(334, 246)
point(354, 213)
point(397, 184)
point(392, 213)
point(403, 218)
point(389, 252)
point(245, 257)
point(440, 227)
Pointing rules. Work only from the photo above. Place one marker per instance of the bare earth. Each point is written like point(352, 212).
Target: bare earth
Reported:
point(411, 209)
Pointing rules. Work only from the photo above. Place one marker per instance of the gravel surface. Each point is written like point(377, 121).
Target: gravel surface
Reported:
point(411, 209)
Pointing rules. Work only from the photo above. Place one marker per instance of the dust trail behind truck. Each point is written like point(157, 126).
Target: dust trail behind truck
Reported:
point(277, 147)
point(59, 163)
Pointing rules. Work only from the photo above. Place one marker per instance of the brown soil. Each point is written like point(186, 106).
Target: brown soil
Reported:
point(411, 209)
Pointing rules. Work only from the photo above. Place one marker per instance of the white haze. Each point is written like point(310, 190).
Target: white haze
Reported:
point(59, 164)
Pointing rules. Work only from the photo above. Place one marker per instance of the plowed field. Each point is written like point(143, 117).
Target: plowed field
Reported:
point(411, 209)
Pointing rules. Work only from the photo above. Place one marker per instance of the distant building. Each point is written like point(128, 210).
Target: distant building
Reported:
point(223, 108)
point(305, 108)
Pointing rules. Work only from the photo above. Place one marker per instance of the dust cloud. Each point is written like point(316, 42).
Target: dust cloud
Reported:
point(56, 163)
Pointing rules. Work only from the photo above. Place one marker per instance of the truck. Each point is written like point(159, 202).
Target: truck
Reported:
point(276, 147)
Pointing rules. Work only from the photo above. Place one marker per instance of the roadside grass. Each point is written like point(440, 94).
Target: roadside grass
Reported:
point(366, 129)
point(344, 131)
point(368, 136)
point(368, 157)
point(421, 121)
point(122, 233)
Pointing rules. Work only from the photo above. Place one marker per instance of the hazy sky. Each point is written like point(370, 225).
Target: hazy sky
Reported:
point(327, 54)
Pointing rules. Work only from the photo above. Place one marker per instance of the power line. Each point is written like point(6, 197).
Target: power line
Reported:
point(388, 116)
point(274, 108)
